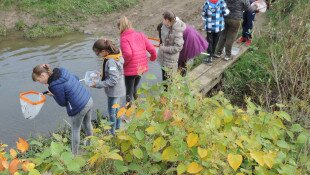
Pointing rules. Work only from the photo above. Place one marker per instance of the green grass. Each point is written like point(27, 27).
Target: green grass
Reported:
point(3, 30)
point(57, 15)
point(38, 31)
point(20, 25)
point(277, 69)
point(62, 11)
point(197, 61)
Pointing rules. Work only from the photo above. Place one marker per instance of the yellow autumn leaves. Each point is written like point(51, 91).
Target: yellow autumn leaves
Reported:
point(264, 158)
point(235, 160)
point(128, 112)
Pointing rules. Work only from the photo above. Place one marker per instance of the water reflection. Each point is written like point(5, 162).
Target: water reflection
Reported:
point(18, 57)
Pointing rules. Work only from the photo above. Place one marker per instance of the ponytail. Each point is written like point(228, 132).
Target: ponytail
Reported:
point(39, 69)
point(107, 45)
point(124, 24)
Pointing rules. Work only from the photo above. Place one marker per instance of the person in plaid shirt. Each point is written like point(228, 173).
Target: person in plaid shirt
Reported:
point(213, 14)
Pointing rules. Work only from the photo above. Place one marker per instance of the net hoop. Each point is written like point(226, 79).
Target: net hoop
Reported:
point(21, 96)
point(153, 39)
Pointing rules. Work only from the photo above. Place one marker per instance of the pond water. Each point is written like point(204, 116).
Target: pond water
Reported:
point(19, 56)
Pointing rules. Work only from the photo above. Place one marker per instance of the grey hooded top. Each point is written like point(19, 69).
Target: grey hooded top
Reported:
point(168, 53)
point(114, 82)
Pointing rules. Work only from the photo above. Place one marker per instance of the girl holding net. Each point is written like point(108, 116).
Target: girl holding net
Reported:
point(70, 93)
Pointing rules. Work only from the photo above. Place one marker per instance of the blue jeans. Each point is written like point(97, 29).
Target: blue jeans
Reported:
point(247, 24)
point(116, 122)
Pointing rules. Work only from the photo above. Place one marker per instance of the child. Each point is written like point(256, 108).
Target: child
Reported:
point(194, 44)
point(213, 13)
point(172, 43)
point(112, 78)
point(134, 46)
point(68, 92)
point(232, 24)
point(247, 26)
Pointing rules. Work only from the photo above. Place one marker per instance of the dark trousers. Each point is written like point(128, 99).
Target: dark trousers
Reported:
point(247, 24)
point(212, 39)
point(182, 66)
point(131, 83)
point(228, 36)
point(165, 74)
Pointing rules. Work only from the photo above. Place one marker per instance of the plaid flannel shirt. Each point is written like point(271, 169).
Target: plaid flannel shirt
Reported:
point(213, 15)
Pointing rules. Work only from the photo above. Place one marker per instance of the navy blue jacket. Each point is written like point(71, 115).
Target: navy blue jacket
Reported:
point(68, 91)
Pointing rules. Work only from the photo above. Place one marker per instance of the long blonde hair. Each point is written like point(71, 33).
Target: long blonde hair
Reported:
point(124, 24)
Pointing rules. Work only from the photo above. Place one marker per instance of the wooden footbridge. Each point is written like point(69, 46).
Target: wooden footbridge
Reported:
point(207, 76)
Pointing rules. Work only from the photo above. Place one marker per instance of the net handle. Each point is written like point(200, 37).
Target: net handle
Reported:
point(154, 39)
point(21, 96)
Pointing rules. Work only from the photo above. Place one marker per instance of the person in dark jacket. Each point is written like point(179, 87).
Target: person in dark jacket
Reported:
point(70, 93)
point(232, 24)
point(247, 26)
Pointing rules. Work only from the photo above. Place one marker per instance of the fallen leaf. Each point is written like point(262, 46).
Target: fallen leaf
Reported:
point(202, 152)
point(194, 168)
point(269, 159)
point(13, 153)
point(129, 111)
point(13, 166)
point(258, 156)
point(167, 114)
point(192, 140)
point(22, 145)
point(116, 105)
point(234, 160)
point(121, 112)
point(4, 164)
point(139, 113)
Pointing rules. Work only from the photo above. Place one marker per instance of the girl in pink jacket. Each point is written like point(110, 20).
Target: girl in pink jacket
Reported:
point(134, 46)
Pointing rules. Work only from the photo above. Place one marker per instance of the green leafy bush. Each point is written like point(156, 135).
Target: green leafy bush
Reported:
point(179, 131)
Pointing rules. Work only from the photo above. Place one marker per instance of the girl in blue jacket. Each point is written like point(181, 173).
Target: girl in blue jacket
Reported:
point(68, 92)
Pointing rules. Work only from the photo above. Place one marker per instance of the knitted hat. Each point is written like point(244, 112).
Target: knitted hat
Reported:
point(213, 1)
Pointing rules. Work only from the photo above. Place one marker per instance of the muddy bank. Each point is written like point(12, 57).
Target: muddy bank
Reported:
point(145, 16)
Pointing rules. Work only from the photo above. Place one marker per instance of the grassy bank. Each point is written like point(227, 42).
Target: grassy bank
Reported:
point(277, 68)
point(57, 16)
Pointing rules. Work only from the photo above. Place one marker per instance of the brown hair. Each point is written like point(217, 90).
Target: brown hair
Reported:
point(124, 24)
point(107, 45)
point(39, 69)
point(169, 15)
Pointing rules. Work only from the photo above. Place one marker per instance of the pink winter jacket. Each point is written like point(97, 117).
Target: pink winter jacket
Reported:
point(134, 46)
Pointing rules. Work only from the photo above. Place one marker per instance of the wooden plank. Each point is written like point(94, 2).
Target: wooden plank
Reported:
point(208, 76)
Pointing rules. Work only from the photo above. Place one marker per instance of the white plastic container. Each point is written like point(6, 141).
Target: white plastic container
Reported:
point(235, 51)
point(92, 77)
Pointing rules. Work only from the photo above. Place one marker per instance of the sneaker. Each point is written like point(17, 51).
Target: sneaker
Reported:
point(227, 58)
point(241, 40)
point(217, 56)
point(208, 61)
point(248, 42)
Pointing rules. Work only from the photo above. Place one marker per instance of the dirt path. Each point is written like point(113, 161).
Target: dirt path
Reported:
point(145, 17)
